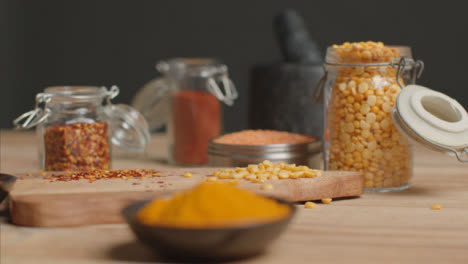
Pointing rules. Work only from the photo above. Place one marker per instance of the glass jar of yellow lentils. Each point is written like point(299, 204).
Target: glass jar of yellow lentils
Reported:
point(360, 89)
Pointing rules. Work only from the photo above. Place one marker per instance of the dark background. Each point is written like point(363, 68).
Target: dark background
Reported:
point(45, 43)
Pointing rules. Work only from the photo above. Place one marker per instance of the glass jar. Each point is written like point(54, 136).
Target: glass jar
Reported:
point(76, 124)
point(360, 88)
point(188, 99)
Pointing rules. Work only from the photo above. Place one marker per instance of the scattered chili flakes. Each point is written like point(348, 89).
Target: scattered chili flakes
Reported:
point(94, 175)
point(136, 183)
point(24, 179)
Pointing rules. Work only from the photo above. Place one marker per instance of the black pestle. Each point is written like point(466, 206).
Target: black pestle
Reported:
point(294, 40)
point(281, 93)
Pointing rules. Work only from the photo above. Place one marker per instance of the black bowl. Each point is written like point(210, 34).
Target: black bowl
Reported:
point(207, 244)
point(6, 184)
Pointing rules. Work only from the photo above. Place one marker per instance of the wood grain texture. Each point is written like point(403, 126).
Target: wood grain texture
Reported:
point(395, 227)
point(38, 202)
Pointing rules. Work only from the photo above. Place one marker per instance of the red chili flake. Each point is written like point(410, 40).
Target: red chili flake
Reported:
point(77, 147)
point(94, 175)
point(160, 182)
point(136, 183)
point(24, 179)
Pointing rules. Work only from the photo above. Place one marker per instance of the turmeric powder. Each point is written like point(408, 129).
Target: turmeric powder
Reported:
point(212, 204)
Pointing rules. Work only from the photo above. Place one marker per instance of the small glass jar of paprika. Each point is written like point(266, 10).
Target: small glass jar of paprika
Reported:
point(76, 125)
point(188, 99)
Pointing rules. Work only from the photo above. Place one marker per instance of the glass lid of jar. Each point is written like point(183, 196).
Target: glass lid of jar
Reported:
point(128, 127)
point(432, 119)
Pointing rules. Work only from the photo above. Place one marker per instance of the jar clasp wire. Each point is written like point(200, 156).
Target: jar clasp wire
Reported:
point(230, 90)
point(36, 116)
point(403, 64)
point(111, 93)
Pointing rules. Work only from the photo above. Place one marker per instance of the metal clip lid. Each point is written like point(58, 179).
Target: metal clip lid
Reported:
point(128, 127)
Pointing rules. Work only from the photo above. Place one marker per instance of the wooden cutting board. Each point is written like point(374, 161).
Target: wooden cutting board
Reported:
point(35, 201)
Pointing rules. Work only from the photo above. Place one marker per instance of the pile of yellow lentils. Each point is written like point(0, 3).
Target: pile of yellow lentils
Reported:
point(267, 170)
point(361, 133)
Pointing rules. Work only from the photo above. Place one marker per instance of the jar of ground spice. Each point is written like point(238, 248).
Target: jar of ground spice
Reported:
point(188, 98)
point(76, 125)
point(360, 89)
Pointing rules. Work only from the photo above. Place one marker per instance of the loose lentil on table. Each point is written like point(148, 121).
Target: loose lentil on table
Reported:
point(77, 147)
point(310, 205)
point(263, 137)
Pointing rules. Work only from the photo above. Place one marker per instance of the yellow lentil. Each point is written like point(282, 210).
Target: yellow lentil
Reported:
point(267, 170)
point(267, 186)
point(310, 205)
point(326, 200)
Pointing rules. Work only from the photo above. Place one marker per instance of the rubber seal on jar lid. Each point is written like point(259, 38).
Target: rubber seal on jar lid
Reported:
point(129, 129)
point(431, 118)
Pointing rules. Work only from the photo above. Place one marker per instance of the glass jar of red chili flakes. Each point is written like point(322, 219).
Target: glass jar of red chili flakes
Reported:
point(76, 124)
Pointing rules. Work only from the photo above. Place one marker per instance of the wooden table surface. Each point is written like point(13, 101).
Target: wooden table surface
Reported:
point(395, 227)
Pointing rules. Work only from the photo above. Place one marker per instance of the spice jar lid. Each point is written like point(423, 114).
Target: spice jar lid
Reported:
point(204, 74)
point(129, 128)
point(432, 119)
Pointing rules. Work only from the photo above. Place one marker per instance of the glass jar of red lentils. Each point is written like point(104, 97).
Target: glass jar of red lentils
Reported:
point(360, 89)
point(76, 125)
